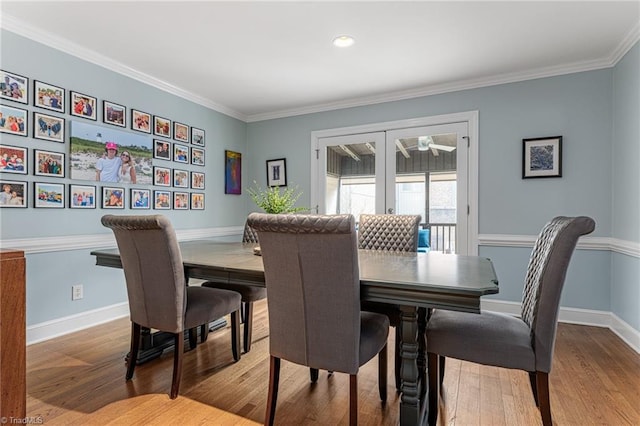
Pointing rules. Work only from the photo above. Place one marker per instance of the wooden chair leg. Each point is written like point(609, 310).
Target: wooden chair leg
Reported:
point(274, 378)
point(542, 386)
point(353, 400)
point(534, 388)
point(193, 337)
point(382, 373)
point(248, 324)
point(235, 335)
point(432, 389)
point(177, 364)
point(204, 332)
point(313, 374)
point(441, 360)
point(133, 352)
point(398, 358)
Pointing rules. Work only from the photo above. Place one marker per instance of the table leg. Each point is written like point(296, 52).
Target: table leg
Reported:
point(411, 401)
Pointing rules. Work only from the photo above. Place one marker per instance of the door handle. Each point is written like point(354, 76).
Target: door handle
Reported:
point(390, 210)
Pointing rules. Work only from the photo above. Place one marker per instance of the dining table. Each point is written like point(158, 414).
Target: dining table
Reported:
point(414, 282)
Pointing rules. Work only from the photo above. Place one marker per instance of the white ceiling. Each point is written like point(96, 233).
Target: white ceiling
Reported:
point(255, 59)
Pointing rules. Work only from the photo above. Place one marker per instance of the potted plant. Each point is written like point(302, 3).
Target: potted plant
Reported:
point(272, 200)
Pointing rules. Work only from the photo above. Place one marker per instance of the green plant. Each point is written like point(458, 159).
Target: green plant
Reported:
point(273, 200)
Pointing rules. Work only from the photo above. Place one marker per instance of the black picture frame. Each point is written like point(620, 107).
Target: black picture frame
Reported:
point(180, 153)
point(14, 121)
point(48, 96)
point(48, 127)
point(84, 106)
point(180, 132)
point(49, 163)
point(542, 157)
point(140, 121)
point(197, 156)
point(162, 150)
point(113, 197)
point(140, 199)
point(14, 159)
point(114, 114)
point(162, 176)
point(277, 172)
point(82, 196)
point(197, 136)
point(14, 87)
point(181, 200)
point(161, 126)
point(21, 190)
point(48, 195)
point(162, 200)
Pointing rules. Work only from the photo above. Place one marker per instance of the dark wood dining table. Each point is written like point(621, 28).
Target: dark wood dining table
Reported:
point(413, 281)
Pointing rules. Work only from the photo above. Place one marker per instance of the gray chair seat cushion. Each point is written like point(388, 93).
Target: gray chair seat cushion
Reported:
point(207, 304)
point(488, 338)
point(374, 330)
point(249, 293)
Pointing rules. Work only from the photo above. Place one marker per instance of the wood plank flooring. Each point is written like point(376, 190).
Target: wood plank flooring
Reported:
point(78, 379)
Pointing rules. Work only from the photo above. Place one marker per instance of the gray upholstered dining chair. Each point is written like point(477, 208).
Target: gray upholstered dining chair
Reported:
point(523, 343)
point(312, 273)
point(159, 297)
point(389, 232)
point(249, 293)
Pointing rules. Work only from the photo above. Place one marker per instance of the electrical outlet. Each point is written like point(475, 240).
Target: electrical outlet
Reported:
point(77, 292)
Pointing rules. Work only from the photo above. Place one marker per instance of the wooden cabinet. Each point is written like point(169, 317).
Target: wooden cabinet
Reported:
point(13, 344)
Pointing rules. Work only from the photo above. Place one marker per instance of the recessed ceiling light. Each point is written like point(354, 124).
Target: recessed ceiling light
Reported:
point(343, 41)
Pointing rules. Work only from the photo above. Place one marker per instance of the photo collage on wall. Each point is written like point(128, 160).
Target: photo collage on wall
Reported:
point(128, 158)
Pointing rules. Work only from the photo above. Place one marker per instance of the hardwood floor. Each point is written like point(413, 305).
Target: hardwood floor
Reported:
point(78, 379)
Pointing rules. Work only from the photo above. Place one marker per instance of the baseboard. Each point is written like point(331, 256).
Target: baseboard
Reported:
point(59, 327)
point(590, 317)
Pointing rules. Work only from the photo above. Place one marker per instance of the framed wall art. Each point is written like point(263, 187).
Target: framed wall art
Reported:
point(48, 163)
point(161, 149)
point(277, 172)
point(180, 178)
point(232, 172)
point(112, 197)
point(14, 87)
point(181, 200)
point(48, 96)
point(82, 196)
point(161, 176)
point(13, 159)
point(197, 201)
point(48, 195)
point(83, 106)
point(13, 194)
point(180, 132)
point(197, 156)
point(162, 127)
point(13, 120)
point(197, 136)
point(140, 198)
point(162, 200)
point(115, 114)
point(140, 121)
point(48, 127)
point(542, 157)
point(197, 180)
point(180, 153)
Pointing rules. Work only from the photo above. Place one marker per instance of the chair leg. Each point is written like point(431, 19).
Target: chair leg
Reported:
point(432, 372)
point(441, 360)
point(235, 334)
point(542, 386)
point(204, 332)
point(382, 373)
point(193, 337)
point(274, 377)
point(534, 388)
point(248, 324)
point(133, 353)
point(398, 358)
point(353, 400)
point(177, 364)
point(313, 374)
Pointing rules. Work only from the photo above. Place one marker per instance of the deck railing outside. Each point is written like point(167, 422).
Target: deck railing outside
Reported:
point(443, 237)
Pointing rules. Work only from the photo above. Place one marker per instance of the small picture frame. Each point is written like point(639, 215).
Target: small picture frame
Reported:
point(112, 197)
point(197, 156)
point(197, 136)
point(13, 120)
point(115, 114)
point(48, 163)
point(48, 195)
point(13, 159)
point(161, 176)
point(180, 132)
point(162, 126)
point(48, 127)
point(180, 153)
point(48, 96)
point(197, 201)
point(162, 200)
point(181, 200)
point(197, 180)
point(14, 87)
point(140, 199)
point(277, 172)
point(82, 196)
point(13, 194)
point(542, 157)
point(161, 149)
point(140, 121)
point(83, 106)
point(180, 178)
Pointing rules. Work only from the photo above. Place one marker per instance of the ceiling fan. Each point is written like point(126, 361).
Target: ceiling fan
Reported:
point(425, 143)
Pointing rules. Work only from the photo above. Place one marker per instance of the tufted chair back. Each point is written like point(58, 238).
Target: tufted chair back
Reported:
point(250, 235)
point(390, 232)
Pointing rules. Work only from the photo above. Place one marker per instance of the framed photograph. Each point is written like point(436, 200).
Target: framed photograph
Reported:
point(180, 178)
point(114, 114)
point(180, 153)
point(14, 87)
point(232, 172)
point(197, 201)
point(162, 126)
point(197, 156)
point(161, 176)
point(197, 180)
point(161, 149)
point(83, 106)
point(140, 121)
point(13, 120)
point(140, 198)
point(48, 96)
point(162, 200)
point(13, 159)
point(277, 172)
point(542, 157)
point(180, 132)
point(112, 197)
point(48, 195)
point(181, 200)
point(197, 136)
point(82, 196)
point(48, 163)
point(14, 194)
point(48, 127)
